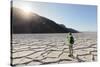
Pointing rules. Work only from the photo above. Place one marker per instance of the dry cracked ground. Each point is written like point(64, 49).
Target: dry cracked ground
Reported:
point(40, 49)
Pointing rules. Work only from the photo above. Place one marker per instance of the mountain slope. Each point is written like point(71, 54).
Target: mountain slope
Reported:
point(33, 23)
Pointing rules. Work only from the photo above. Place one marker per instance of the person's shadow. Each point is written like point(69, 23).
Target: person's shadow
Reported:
point(77, 58)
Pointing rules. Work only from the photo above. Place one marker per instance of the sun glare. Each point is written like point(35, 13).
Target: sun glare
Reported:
point(26, 8)
point(26, 11)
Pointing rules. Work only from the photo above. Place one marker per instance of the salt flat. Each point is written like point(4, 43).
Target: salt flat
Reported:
point(39, 49)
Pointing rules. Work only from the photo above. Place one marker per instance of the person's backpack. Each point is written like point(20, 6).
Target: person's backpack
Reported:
point(71, 40)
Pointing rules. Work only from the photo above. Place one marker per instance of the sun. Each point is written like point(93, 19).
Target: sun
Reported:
point(26, 11)
point(26, 8)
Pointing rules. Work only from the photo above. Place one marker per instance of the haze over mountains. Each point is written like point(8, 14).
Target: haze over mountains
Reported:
point(33, 23)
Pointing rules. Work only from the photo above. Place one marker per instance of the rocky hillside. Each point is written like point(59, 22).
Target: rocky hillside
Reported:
point(34, 23)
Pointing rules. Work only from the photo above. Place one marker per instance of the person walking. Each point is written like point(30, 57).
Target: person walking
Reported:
point(70, 40)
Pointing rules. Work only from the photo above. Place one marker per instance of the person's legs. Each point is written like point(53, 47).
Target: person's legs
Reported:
point(69, 51)
point(72, 50)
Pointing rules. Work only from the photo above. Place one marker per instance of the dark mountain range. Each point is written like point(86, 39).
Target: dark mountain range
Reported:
point(22, 22)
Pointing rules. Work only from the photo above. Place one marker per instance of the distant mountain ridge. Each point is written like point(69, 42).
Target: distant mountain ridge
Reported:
point(35, 23)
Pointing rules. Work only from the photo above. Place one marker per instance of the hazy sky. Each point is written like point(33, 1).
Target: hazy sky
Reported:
point(79, 17)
